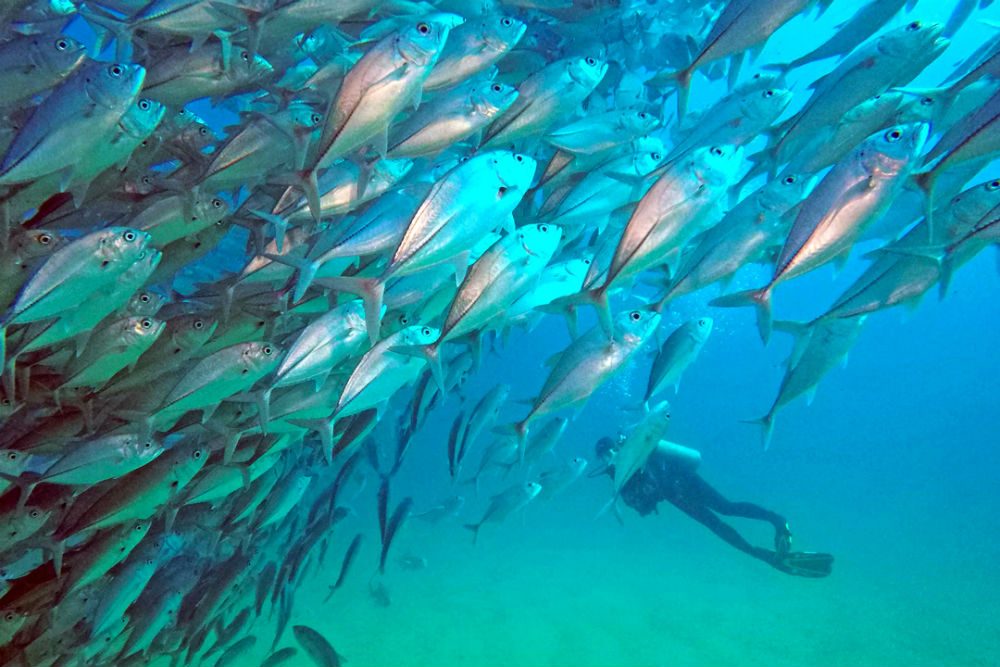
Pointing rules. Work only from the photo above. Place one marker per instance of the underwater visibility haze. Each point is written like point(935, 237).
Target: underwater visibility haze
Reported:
point(532, 333)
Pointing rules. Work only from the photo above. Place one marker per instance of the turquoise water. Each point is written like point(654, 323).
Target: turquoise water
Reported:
point(892, 468)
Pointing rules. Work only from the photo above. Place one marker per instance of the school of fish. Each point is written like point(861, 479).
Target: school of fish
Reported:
point(201, 328)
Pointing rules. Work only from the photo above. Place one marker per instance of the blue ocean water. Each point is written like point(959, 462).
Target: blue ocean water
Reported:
point(893, 469)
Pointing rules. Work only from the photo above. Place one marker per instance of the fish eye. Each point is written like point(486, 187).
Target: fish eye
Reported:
point(245, 55)
point(147, 180)
point(316, 118)
point(423, 28)
point(926, 101)
point(655, 156)
point(768, 93)
point(6, 402)
point(913, 26)
point(519, 158)
point(198, 324)
point(144, 298)
point(146, 323)
point(34, 514)
point(9, 616)
point(116, 71)
point(716, 151)
point(993, 185)
point(144, 104)
point(129, 236)
point(217, 203)
point(701, 323)
point(789, 180)
point(62, 44)
point(138, 527)
point(643, 115)
point(892, 136)
point(506, 22)
point(502, 191)
point(543, 228)
point(267, 350)
point(45, 239)
point(196, 454)
point(425, 331)
point(403, 319)
point(635, 315)
point(147, 444)
point(13, 456)
point(496, 87)
point(587, 262)
point(203, 130)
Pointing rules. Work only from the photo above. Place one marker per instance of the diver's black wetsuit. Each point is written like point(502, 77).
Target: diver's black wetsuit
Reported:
point(668, 478)
point(671, 474)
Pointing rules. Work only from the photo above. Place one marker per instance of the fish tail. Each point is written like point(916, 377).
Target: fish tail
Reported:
point(25, 486)
point(766, 424)
point(760, 299)
point(279, 224)
point(306, 272)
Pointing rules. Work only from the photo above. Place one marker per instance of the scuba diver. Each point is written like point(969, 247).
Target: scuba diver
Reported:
point(671, 474)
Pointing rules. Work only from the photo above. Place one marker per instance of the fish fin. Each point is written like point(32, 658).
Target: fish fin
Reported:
point(767, 428)
point(801, 332)
point(323, 427)
point(760, 299)
point(432, 354)
point(811, 395)
point(310, 187)
point(926, 181)
point(937, 254)
point(263, 400)
point(947, 270)
point(371, 291)
point(474, 527)
point(461, 264)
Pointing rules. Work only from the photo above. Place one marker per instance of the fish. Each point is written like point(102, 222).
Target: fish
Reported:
point(504, 504)
point(434, 235)
point(82, 112)
point(474, 47)
point(280, 657)
point(590, 361)
point(851, 196)
point(345, 566)
point(639, 444)
point(544, 98)
point(386, 79)
point(820, 345)
point(256, 255)
point(666, 216)
point(320, 651)
point(742, 25)
point(556, 480)
point(678, 352)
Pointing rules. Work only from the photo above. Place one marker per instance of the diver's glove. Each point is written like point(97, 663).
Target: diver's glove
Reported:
point(783, 539)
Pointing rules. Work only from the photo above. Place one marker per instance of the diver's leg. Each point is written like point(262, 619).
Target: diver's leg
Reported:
point(703, 515)
point(702, 490)
point(697, 490)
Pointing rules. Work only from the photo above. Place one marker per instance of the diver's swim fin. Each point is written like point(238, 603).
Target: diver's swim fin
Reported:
point(806, 564)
